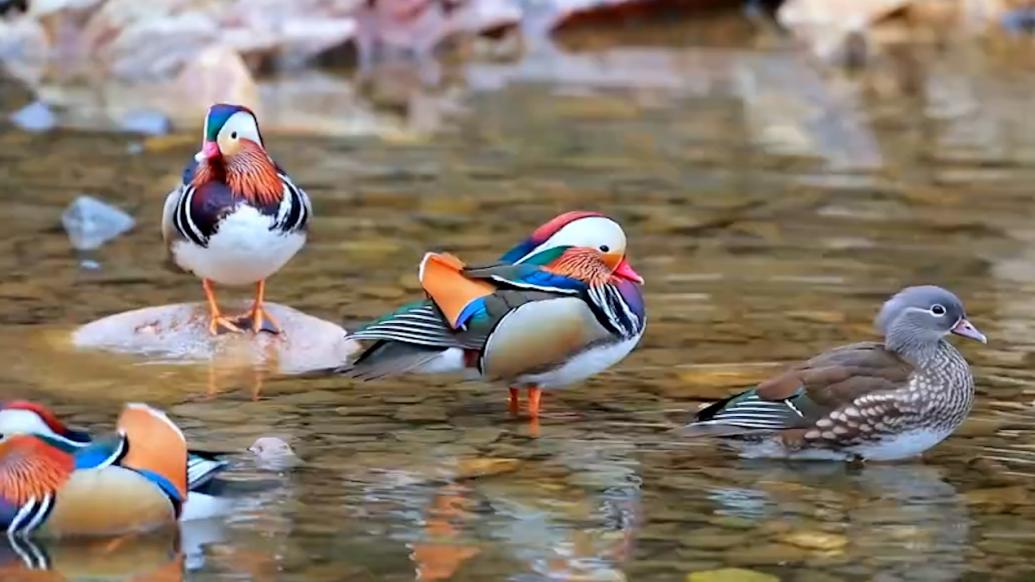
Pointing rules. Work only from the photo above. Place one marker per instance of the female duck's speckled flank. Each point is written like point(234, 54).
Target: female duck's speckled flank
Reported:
point(237, 217)
point(560, 307)
point(135, 481)
point(870, 400)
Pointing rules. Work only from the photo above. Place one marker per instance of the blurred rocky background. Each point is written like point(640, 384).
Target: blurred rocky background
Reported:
point(148, 65)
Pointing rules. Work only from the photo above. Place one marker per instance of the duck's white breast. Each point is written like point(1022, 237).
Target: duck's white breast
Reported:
point(243, 251)
point(583, 365)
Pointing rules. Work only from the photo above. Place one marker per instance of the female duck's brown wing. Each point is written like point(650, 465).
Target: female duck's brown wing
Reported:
point(806, 395)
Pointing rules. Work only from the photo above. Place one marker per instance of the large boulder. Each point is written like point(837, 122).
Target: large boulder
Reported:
point(179, 333)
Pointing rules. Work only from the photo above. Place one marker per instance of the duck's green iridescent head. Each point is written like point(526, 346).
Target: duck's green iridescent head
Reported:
point(227, 128)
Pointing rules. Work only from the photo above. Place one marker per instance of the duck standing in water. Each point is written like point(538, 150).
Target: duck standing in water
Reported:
point(560, 307)
point(134, 483)
point(237, 217)
point(868, 401)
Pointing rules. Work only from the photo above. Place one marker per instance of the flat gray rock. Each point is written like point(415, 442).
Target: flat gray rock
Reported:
point(179, 333)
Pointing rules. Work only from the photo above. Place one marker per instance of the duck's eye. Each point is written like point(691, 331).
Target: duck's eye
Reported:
point(604, 248)
point(937, 310)
point(233, 135)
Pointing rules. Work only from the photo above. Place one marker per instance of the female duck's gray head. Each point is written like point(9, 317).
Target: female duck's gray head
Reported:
point(916, 318)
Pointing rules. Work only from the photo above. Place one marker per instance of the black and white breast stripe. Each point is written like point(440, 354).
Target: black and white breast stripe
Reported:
point(182, 219)
point(30, 516)
point(33, 556)
point(295, 209)
point(613, 312)
point(292, 215)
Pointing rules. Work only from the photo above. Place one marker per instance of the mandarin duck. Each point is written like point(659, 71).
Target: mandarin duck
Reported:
point(134, 483)
point(237, 217)
point(23, 417)
point(558, 308)
point(865, 401)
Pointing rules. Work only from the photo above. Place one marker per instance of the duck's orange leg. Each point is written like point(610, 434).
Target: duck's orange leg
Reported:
point(513, 401)
point(535, 395)
point(216, 319)
point(258, 316)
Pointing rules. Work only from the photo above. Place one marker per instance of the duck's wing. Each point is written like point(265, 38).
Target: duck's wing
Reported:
point(851, 381)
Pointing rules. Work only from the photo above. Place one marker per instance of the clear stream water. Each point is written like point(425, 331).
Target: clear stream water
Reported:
point(771, 206)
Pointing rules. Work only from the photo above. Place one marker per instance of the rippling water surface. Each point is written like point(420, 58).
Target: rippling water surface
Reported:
point(771, 207)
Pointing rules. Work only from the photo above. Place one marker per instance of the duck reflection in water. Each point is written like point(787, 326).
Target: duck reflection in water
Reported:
point(154, 558)
point(905, 519)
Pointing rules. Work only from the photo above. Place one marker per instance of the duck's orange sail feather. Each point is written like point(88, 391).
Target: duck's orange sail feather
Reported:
point(155, 444)
point(441, 276)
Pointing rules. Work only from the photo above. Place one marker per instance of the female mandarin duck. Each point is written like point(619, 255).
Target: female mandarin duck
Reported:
point(135, 483)
point(237, 218)
point(867, 401)
point(23, 417)
point(560, 307)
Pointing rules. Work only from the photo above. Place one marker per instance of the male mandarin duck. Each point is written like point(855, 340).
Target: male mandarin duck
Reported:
point(559, 307)
point(23, 417)
point(864, 401)
point(237, 217)
point(134, 483)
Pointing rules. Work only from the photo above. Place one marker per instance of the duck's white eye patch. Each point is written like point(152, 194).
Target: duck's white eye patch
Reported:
point(938, 309)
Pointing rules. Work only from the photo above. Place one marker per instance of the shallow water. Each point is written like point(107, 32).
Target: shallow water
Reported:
point(767, 228)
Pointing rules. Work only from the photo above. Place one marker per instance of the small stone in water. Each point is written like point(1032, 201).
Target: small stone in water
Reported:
point(146, 122)
point(90, 222)
point(35, 117)
point(273, 453)
point(730, 575)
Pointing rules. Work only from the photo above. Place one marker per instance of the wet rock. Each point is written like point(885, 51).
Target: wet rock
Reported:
point(485, 467)
point(730, 575)
point(24, 47)
point(815, 540)
point(35, 117)
point(217, 75)
point(766, 554)
point(421, 413)
point(157, 48)
point(90, 222)
point(179, 332)
point(146, 122)
point(47, 7)
point(481, 435)
point(274, 453)
point(711, 538)
point(1014, 495)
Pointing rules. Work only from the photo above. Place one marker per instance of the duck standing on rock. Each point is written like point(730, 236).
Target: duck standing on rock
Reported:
point(560, 307)
point(237, 217)
point(866, 401)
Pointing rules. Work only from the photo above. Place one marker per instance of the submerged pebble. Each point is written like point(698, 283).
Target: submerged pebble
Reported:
point(274, 453)
point(90, 222)
point(35, 117)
